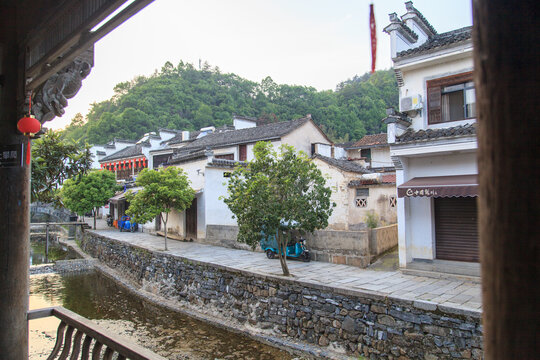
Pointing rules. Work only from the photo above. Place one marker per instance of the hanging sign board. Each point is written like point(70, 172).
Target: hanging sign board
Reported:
point(11, 155)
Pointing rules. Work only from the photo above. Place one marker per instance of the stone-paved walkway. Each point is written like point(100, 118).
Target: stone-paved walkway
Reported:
point(456, 293)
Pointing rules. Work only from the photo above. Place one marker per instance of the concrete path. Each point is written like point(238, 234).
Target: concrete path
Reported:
point(454, 293)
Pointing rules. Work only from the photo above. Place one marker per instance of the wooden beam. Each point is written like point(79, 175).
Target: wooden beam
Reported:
point(86, 40)
point(507, 81)
point(39, 35)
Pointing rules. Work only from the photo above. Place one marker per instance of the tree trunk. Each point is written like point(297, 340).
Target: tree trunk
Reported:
point(95, 214)
point(282, 254)
point(165, 224)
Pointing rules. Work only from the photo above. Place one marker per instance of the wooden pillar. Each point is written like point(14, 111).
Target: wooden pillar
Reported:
point(506, 42)
point(14, 198)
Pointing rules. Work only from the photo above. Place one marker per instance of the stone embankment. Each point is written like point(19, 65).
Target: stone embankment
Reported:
point(358, 323)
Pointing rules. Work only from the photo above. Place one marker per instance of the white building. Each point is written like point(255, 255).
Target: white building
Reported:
point(209, 159)
point(433, 145)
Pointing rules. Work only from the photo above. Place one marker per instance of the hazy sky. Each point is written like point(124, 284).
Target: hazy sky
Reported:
point(315, 43)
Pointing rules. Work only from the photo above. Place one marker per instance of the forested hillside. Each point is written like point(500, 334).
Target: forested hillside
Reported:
point(185, 98)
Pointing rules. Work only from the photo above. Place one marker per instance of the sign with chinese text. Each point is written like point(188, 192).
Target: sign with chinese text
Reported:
point(11, 155)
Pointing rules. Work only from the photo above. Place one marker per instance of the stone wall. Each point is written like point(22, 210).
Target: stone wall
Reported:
point(358, 323)
point(340, 247)
point(224, 235)
point(382, 239)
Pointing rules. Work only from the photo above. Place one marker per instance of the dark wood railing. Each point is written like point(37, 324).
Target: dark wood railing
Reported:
point(77, 338)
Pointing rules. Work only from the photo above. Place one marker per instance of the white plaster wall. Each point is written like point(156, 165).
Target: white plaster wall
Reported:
point(201, 221)
point(196, 178)
point(176, 223)
point(378, 202)
point(381, 157)
point(415, 83)
point(340, 153)
point(337, 182)
point(217, 212)
point(421, 228)
point(304, 136)
point(323, 149)
point(398, 43)
point(227, 150)
point(243, 124)
point(443, 165)
point(166, 135)
point(250, 156)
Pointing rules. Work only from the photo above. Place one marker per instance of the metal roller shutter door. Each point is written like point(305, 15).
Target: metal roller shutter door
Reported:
point(456, 229)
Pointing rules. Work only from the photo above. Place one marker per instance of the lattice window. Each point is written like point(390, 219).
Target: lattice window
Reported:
point(361, 202)
point(393, 201)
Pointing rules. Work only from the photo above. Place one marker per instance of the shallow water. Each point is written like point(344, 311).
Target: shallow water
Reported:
point(56, 252)
point(172, 335)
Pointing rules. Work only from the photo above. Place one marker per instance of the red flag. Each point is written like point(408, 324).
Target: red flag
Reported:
point(373, 37)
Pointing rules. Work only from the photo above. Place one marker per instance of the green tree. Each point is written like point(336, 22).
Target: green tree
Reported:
point(88, 192)
point(277, 188)
point(163, 190)
point(53, 161)
point(188, 99)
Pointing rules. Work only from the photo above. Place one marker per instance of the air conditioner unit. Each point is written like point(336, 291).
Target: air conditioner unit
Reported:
point(411, 103)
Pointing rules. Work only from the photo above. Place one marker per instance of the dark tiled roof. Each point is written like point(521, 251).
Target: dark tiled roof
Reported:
point(99, 152)
point(130, 151)
point(439, 40)
point(345, 165)
point(389, 179)
point(124, 141)
point(187, 156)
point(371, 140)
point(409, 31)
point(173, 131)
point(432, 134)
point(346, 145)
point(226, 163)
point(177, 139)
point(361, 182)
point(411, 8)
point(248, 135)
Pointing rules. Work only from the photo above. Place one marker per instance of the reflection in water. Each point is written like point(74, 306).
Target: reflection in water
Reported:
point(173, 335)
point(56, 252)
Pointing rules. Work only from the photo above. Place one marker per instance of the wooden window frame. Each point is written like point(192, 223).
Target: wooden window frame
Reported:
point(224, 156)
point(434, 96)
point(242, 152)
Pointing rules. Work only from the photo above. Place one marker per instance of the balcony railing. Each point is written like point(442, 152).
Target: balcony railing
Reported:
point(78, 338)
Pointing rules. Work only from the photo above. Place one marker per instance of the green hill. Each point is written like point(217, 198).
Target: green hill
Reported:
point(185, 98)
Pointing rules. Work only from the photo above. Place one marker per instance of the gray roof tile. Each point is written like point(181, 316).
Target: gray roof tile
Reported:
point(130, 151)
point(371, 141)
point(345, 165)
point(431, 134)
point(245, 136)
point(439, 40)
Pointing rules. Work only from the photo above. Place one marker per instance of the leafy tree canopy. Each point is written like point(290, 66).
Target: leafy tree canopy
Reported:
point(163, 190)
point(277, 188)
point(88, 192)
point(185, 98)
point(53, 161)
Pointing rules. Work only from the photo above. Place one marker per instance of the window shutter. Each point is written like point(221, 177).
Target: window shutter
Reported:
point(242, 152)
point(434, 104)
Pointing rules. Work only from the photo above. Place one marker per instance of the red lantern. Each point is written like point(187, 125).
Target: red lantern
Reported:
point(29, 126)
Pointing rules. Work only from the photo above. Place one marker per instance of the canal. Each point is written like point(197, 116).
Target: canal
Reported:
point(173, 335)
